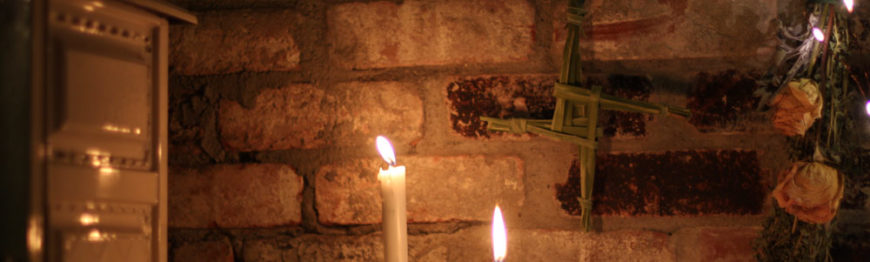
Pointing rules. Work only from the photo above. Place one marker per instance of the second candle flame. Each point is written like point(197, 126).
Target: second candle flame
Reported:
point(386, 150)
point(499, 236)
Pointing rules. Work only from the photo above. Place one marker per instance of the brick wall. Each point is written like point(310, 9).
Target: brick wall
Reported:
point(275, 106)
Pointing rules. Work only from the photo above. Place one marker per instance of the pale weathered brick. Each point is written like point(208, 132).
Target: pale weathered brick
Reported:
point(262, 250)
point(211, 251)
point(366, 248)
point(628, 245)
point(650, 30)
point(368, 109)
point(349, 193)
point(303, 116)
point(234, 41)
point(289, 117)
point(386, 34)
point(716, 243)
point(474, 244)
point(235, 196)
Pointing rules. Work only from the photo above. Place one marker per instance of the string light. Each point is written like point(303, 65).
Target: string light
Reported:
point(818, 34)
point(849, 5)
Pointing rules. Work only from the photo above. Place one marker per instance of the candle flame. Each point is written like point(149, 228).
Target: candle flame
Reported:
point(499, 236)
point(386, 150)
point(818, 34)
point(849, 5)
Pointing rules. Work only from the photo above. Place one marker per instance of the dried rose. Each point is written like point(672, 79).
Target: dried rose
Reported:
point(797, 106)
point(811, 191)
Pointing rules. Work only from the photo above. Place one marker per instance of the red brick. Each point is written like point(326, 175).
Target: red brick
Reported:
point(211, 251)
point(651, 30)
point(671, 183)
point(349, 193)
point(385, 34)
point(302, 116)
point(234, 41)
point(284, 118)
point(235, 196)
point(716, 243)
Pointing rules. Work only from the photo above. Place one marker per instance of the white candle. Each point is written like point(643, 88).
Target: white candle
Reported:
point(499, 236)
point(394, 214)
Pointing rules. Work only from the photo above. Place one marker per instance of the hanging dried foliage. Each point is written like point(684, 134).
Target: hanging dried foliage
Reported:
point(796, 107)
point(811, 191)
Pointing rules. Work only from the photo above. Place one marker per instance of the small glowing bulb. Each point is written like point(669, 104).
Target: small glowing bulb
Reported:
point(818, 34)
point(849, 5)
point(867, 107)
point(95, 236)
point(89, 219)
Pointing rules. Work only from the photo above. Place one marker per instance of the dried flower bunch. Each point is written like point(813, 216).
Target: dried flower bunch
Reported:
point(811, 191)
point(796, 107)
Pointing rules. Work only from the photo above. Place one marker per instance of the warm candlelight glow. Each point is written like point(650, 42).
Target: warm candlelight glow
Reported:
point(386, 150)
point(849, 5)
point(818, 34)
point(89, 219)
point(95, 236)
point(499, 236)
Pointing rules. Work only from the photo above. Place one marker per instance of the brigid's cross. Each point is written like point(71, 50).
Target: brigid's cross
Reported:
point(576, 112)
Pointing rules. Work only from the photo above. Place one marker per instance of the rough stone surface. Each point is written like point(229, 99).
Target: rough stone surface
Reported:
point(349, 192)
point(531, 96)
point(716, 243)
point(719, 101)
point(339, 248)
point(385, 34)
point(303, 116)
point(234, 41)
point(368, 109)
point(262, 250)
point(235, 196)
point(671, 183)
point(217, 251)
point(474, 244)
point(672, 29)
point(288, 117)
point(557, 245)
